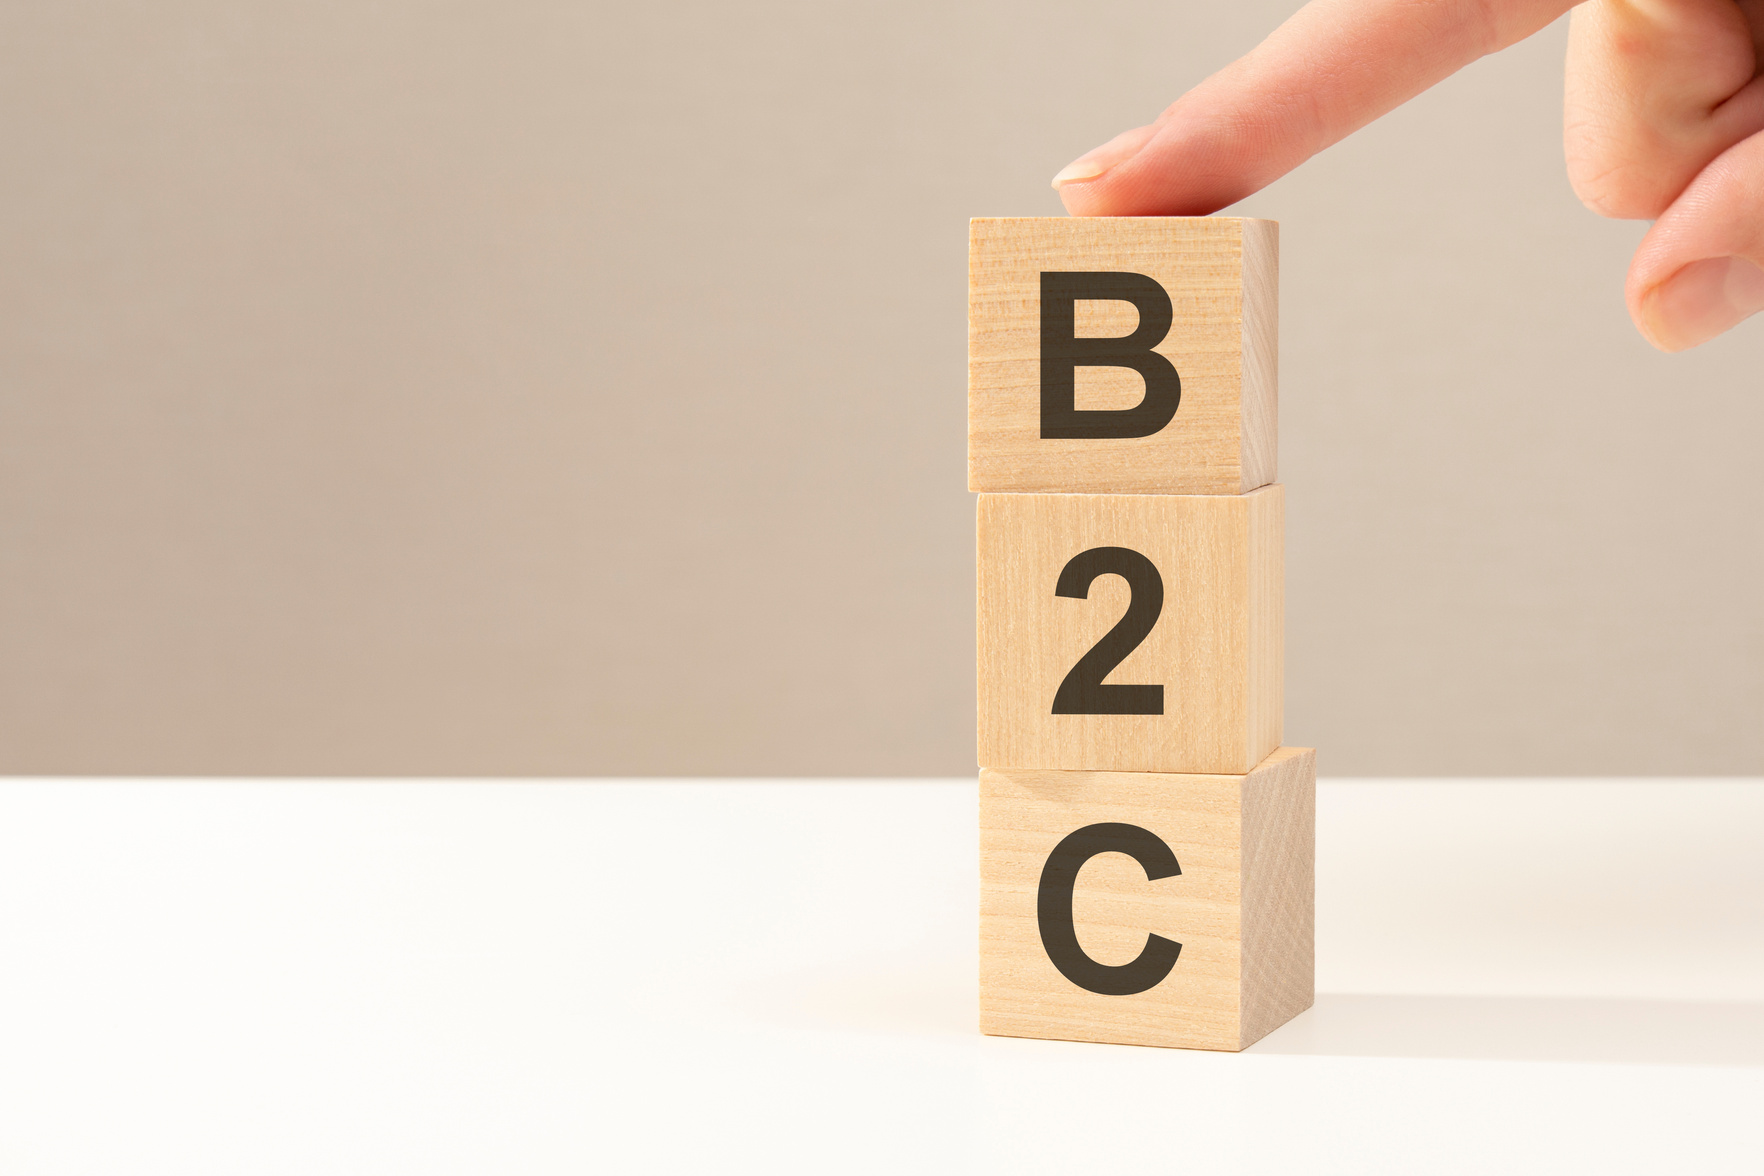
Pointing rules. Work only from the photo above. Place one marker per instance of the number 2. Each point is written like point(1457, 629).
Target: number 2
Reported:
point(1083, 691)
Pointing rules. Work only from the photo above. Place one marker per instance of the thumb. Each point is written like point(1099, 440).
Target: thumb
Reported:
point(1700, 269)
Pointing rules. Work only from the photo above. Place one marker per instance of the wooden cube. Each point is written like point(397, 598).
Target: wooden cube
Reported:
point(1130, 633)
point(1147, 909)
point(1122, 355)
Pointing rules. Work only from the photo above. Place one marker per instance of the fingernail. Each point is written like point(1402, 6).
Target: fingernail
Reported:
point(1701, 301)
point(1087, 168)
point(1092, 164)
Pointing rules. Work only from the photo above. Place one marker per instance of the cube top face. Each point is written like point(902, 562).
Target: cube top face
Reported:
point(1122, 355)
point(1130, 633)
point(1147, 909)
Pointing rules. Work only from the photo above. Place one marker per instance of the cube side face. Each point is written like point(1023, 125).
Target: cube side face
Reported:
point(1183, 565)
point(1026, 820)
point(1266, 686)
point(1220, 438)
point(1261, 352)
point(1279, 891)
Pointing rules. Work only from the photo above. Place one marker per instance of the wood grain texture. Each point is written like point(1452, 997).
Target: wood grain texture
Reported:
point(1261, 352)
point(1222, 275)
point(1279, 891)
point(1215, 648)
point(1241, 907)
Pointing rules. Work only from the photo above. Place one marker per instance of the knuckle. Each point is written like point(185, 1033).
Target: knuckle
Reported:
point(1611, 178)
point(1619, 193)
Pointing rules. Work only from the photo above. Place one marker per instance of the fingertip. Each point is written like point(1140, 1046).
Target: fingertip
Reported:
point(1700, 301)
point(1084, 198)
point(1645, 315)
point(1073, 181)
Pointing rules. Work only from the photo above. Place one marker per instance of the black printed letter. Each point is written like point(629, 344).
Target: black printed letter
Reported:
point(1053, 908)
point(1062, 355)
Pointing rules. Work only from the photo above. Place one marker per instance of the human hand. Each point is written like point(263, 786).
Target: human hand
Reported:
point(1662, 122)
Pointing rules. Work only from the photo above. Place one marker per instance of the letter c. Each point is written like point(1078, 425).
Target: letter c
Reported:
point(1053, 909)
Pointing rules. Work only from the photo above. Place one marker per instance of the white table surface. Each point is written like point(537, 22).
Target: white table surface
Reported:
point(339, 977)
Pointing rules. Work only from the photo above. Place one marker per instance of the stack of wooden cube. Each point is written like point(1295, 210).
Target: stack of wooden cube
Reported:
point(1146, 843)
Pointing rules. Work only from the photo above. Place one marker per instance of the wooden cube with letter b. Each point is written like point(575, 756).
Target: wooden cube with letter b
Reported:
point(1147, 909)
point(1121, 355)
point(1130, 632)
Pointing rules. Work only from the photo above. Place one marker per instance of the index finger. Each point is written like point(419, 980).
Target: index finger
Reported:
point(1328, 71)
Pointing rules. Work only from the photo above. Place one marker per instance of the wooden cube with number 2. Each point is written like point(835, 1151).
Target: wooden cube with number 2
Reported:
point(1130, 633)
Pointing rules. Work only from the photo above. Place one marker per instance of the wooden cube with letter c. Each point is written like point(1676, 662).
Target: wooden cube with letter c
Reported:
point(1130, 633)
point(1122, 355)
point(1147, 908)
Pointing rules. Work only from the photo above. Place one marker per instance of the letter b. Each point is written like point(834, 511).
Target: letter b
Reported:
point(1062, 354)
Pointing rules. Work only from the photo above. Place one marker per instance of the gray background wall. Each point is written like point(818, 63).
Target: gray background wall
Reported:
point(550, 388)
